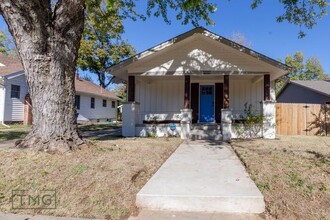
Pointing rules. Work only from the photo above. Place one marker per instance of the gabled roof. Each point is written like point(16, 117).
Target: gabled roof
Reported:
point(207, 33)
point(9, 65)
point(88, 87)
point(319, 86)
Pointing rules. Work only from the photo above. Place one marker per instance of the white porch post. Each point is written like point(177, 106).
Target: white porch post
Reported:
point(226, 122)
point(186, 119)
point(269, 124)
point(130, 118)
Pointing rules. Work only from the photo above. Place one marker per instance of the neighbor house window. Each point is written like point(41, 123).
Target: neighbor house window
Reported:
point(104, 103)
point(15, 91)
point(77, 101)
point(92, 102)
point(113, 104)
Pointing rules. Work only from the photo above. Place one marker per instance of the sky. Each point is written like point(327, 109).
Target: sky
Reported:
point(259, 26)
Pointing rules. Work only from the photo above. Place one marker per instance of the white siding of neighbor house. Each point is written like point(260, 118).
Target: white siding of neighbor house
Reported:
point(163, 98)
point(14, 108)
point(99, 112)
point(2, 90)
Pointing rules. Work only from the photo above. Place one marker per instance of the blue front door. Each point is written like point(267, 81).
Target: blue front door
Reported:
point(206, 103)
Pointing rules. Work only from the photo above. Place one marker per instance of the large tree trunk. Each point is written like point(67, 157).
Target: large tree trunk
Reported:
point(48, 42)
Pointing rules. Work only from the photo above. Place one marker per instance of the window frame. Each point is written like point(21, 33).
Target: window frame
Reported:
point(104, 103)
point(113, 104)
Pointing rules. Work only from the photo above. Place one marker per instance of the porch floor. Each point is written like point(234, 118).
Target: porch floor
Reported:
point(202, 176)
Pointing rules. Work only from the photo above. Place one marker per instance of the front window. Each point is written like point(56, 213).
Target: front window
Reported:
point(113, 104)
point(104, 103)
point(15, 91)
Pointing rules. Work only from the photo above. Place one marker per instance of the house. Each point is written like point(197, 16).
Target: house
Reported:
point(196, 81)
point(93, 103)
point(305, 91)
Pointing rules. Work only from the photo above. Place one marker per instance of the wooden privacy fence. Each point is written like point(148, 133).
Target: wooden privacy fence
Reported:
point(302, 119)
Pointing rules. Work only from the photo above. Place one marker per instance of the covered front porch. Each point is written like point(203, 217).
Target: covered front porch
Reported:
point(178, 105)
point(201, 78)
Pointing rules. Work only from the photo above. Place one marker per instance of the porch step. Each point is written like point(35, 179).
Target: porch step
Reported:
point(206, 127)
point(206, 132)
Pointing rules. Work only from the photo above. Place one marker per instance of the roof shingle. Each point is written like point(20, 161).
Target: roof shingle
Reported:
point(320, 86)
point(9, 65)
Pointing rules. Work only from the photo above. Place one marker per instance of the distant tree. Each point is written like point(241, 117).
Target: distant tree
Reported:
point(7, 46)
point(241, 39)
point(102, 45)
point(86, 77)
point(309, 69)
point(120, 91)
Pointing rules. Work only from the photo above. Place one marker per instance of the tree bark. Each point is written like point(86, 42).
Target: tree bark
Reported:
point(48, 41)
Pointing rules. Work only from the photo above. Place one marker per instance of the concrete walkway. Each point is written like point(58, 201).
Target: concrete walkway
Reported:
point(202, 177)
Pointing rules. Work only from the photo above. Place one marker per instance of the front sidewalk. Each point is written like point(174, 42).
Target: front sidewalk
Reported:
point(202, 177)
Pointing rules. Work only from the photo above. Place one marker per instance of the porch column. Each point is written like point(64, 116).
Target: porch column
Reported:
point(186, 91)
point(130, 118)
point(131, 89)
point(226, 91)
point(269, 123)
point(266, 87)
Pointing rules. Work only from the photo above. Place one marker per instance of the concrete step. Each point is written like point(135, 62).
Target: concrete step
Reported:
point(198, 134)
point(206, 127)
point(202, 178)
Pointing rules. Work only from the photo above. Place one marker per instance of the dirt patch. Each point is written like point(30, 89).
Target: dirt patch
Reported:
point(292, 173)
point(98, 182)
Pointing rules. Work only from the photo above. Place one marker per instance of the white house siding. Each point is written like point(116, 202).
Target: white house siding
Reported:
point(2, 96)
point(99, 112)
point(14, 108)
point(161, 97)
point(244, 91)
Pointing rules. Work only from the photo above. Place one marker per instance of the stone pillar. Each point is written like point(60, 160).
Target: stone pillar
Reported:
point(269, 124)
point(226, 121)
point(186, 118)
point(130, 118)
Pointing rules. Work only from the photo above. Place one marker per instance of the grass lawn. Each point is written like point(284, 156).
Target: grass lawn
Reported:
point(100, 181)
point(19, 131)
point(15, 131)
point(293, 173)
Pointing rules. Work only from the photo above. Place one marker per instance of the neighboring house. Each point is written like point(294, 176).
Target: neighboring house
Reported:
point(195, 78)
point(305, 91)
point(93, 103)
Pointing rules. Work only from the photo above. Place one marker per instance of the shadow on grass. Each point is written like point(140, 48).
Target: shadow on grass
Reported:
point(110, 137)
point(12, 135)
point(97, 127)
